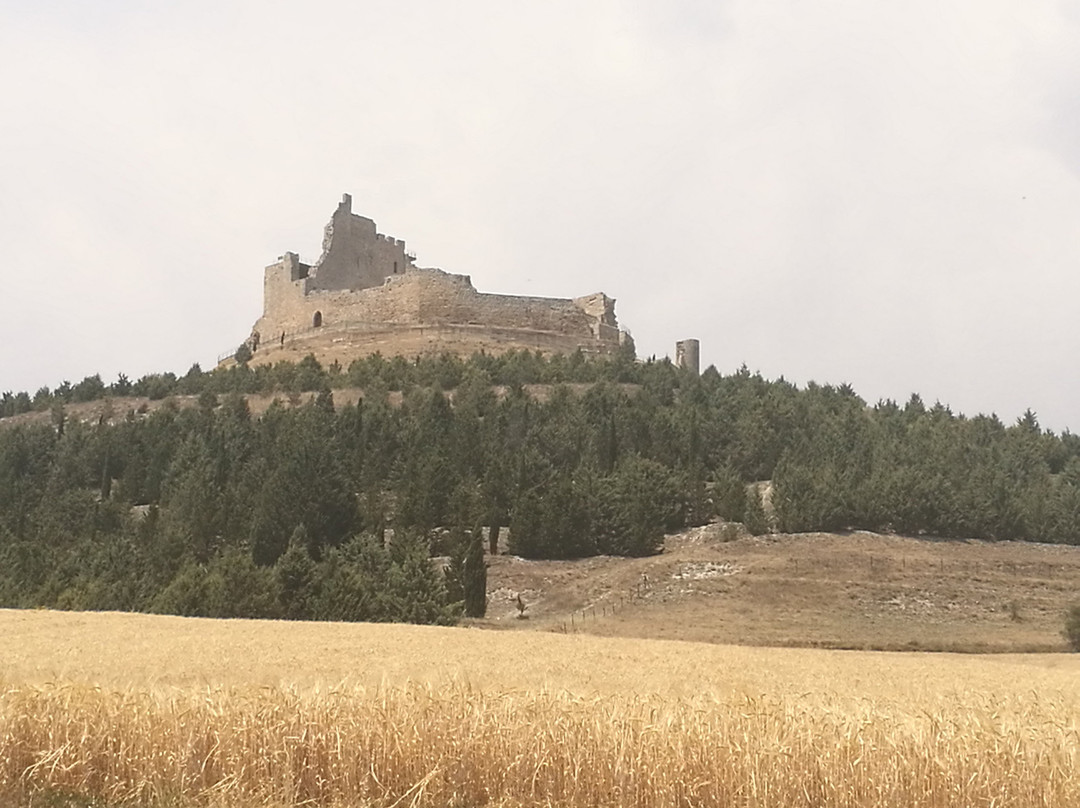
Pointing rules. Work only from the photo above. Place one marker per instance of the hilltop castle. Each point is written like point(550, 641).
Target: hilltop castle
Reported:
point(366, 294)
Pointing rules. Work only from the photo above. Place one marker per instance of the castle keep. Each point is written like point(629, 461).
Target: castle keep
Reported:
point(366, 294)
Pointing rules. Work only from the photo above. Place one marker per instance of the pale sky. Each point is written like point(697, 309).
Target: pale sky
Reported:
point(883, 194)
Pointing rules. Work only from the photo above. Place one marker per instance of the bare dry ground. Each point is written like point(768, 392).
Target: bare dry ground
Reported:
point(856, 591)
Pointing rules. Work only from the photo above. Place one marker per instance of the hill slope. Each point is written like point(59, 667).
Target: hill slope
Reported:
point(857, 590)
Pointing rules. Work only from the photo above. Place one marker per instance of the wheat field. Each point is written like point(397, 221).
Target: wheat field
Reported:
point(110, 710)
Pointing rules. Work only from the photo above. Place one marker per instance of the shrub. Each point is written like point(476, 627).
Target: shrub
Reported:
point(89, 389)
point(475, 576)
point(634, 506)
point(728, 494)
point(754, 519)
point(208, 400)
point(1072, 627)
point(552, 523)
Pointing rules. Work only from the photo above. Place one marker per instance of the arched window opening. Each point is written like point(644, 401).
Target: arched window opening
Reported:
point(316, 321)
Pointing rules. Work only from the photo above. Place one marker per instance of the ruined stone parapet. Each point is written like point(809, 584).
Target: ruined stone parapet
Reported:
point(354, 255)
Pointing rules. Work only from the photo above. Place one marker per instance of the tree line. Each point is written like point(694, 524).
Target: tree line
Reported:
point(446, 372)
point(320, 511)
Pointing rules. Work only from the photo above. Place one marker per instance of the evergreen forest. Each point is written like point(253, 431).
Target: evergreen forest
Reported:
point(318, 511)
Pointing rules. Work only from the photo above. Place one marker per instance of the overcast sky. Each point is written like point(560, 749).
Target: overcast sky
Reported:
point(884, 194)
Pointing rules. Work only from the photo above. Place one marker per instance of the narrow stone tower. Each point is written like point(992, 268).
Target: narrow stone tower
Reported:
point(688, 355)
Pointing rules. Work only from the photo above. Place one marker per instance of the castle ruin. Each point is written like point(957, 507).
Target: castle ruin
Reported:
point(688, 355)
point(366, 294)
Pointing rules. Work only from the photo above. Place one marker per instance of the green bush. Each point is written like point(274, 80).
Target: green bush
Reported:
point(1072, 627)
point(633, 508)
point(754, 519)
point(552, 522)
point(231, 585)
point(728, 494)
point(475, 576)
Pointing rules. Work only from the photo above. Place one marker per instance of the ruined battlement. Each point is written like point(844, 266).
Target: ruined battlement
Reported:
point(366, 285)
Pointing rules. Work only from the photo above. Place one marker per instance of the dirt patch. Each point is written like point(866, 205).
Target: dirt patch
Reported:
point(855, 590)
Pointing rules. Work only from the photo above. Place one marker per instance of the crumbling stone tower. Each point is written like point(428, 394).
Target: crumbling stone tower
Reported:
point(688, 355)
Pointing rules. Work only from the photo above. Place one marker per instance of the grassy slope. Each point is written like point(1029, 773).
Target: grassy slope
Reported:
point(859, 590)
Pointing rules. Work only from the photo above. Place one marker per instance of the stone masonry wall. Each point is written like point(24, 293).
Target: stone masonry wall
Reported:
point(365, 284)
point(417, 297)
point(354, 255)
point(347, 342)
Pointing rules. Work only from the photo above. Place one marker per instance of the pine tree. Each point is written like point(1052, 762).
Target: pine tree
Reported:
point(454, 572)
point(754, 519)
point(295, 573)
point(475, 576)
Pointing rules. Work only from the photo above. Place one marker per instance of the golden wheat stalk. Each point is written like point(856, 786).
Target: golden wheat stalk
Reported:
point(457, 746)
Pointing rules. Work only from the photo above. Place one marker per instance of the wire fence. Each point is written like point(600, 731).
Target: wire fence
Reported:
point(874, 567)
point(609, 607)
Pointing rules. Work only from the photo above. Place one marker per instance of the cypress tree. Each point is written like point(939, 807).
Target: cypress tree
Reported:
point(475, 576)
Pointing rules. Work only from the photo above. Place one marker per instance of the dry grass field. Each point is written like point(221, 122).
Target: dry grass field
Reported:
point(110, 709)
point(855, 591)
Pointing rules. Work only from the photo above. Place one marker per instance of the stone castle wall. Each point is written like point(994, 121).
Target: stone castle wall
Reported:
point(366, 292)
point(354, 255)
